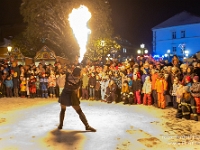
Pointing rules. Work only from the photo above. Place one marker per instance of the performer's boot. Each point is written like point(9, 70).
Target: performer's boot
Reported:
point(84, 120)
point(62, 116)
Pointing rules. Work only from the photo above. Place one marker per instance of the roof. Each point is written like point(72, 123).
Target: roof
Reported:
point(182, 18)
point(45, 53)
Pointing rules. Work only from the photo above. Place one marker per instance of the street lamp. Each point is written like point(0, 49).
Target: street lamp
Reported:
point(142, 50)
point(9, 51)
point(139, 51)
point(146, 51)
point(186, 53)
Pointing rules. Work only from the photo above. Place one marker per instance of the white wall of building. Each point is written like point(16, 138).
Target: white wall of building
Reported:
point(163, 40)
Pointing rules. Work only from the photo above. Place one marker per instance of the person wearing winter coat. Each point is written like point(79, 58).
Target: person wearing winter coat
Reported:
point(161, 88)
point(136, 88)
point(175, 87)
point(147, 90)
point(9, 86)
point(154, 76)
point(189, 74)
point(85, 80)
point(104, 84)
point(32, 86)
point(111, 92)
point(44, 86)
point(52, 84)
point(37, 84)
point(16, 83)
point(187, 106)
point(98, 88)
point(23, 88)
point(91, 84)
point(2, 93)
point(125, 93)
point(195, 91)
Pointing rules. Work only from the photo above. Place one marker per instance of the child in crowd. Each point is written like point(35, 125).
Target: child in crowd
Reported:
point(195, 91)
point(37, 84)
point(147, 90)
point(154, 76)
point(44, 86)
point(187, 106)
point(125, 93)
point(23, 88)
point(175, 87)
point(136, 88)
point(52, 84)
point(32, 86)
point(9, 86)
point(161, 87)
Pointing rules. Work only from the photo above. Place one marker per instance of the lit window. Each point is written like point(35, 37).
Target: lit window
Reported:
point(173, 35)
point(124, 50)
point(182, 34)
point(174, 49)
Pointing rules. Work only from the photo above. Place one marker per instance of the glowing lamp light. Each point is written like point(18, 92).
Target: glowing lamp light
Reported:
point(168, 51)
point(142, 46)
point(166, 55)
point(78, 20)
point(108, 55)
point(9, 49)
point(139, 51)
point(146, 51)
point(186, 52)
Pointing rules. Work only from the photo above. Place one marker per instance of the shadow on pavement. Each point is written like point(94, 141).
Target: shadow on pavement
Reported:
point(70, 138)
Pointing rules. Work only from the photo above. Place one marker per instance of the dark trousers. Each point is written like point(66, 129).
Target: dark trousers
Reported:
point(16, 91)
point(98, 94)
point(85, 93)
point(154, 95)
point(52, 90)
point(38, 93)
point(175, 104)
point(9, 92)
point(32, 95)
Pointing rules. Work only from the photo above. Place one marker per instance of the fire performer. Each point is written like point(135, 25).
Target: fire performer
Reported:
point(69, 97)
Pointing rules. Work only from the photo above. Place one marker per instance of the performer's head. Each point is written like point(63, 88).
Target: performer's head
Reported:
point(76, 72)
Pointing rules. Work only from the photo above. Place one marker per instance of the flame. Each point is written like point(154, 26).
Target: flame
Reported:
point(78, 20)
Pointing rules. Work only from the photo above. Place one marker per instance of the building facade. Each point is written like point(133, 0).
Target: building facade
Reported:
point(179, 35)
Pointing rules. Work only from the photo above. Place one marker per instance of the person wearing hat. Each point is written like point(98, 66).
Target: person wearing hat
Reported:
point(187, 106)
point(69, 97)
point(195, 91)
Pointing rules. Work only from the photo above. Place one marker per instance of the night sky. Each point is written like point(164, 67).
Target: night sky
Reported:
point(132, 19)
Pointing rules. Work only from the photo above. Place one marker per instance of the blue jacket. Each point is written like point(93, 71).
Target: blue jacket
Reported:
point(8, 83)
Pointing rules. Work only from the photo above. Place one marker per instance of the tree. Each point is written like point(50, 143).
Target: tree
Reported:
point(47, 23)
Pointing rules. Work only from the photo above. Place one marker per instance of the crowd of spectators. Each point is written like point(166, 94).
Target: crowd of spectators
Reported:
point(141, 81)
